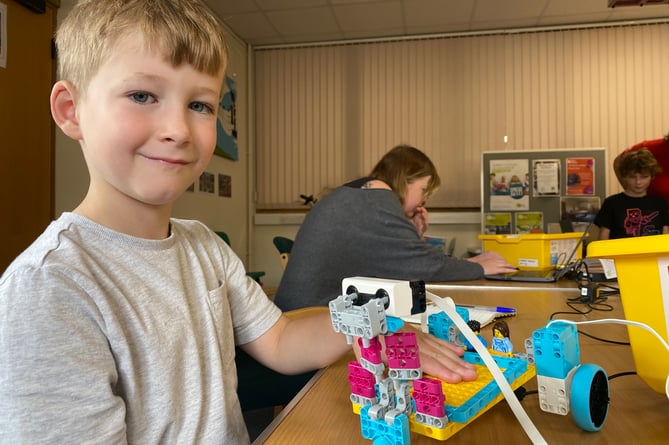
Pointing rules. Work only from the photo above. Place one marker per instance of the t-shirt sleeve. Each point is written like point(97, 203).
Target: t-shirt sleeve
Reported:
point(253, 312)
point(604, 217)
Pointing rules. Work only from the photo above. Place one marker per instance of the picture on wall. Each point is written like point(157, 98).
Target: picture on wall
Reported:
point(224, 186)
point(207, 182)
point(226, 124)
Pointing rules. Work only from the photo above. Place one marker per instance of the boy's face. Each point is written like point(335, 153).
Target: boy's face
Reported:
point(636, 184)
point(148, 129)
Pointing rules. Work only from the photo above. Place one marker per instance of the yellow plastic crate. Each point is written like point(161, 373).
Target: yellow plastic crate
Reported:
point(534, 251)
point(642, 266)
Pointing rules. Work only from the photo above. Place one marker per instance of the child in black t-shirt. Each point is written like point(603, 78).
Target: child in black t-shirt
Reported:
point(633, 212)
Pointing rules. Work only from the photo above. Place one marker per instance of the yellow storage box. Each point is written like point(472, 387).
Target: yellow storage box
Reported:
point(534, 251)
point(642, 266)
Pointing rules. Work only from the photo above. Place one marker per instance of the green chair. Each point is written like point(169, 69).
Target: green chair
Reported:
point(255, 275)
point(284, 246)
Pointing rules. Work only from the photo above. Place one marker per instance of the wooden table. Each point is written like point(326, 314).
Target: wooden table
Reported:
point(322, 413)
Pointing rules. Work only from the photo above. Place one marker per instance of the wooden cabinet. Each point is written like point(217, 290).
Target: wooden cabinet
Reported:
point(26, 128)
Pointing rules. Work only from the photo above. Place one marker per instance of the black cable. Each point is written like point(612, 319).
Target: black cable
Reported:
point(594, 306)
point(615, 342)
point(621, 374)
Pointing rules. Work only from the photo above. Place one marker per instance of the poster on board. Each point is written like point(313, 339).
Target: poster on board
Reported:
point(498, 223)
point(580, 176)
point(529, 222)
point(509, 184)
point(546, 177)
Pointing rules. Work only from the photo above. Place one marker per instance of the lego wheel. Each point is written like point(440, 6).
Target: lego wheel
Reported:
point(589, 398)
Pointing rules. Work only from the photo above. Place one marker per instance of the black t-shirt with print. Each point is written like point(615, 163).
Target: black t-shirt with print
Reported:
point(626, 216)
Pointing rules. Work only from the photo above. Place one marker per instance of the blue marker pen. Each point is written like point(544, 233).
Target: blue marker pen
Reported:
point(500, 309)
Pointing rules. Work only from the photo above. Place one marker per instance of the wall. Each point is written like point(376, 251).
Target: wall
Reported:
point(327, 113)
point(26, 144)
point(227, 214)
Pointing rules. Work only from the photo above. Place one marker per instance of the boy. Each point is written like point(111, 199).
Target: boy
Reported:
point(634, 212)
point(119, 324)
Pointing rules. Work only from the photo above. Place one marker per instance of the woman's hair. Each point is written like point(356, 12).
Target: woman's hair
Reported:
point(183, 31)
point(401, 166)
point(502, 327)
point(639, 161)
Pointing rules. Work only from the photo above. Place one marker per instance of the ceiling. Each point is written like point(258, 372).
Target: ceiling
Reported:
point(277, 22)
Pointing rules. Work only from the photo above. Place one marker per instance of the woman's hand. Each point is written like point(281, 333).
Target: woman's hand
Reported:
point(493, 263)
point(420, 220)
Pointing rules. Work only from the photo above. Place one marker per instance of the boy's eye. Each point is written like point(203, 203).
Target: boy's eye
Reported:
point(201, 107)
point(141, 97)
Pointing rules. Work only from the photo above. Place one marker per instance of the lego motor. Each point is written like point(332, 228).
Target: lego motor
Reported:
point(564, 384)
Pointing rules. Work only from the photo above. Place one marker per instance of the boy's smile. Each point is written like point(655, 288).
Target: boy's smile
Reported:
point(147, 129)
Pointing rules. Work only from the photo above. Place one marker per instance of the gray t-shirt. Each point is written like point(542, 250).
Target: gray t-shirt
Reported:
point(108, 338)
point(360, 232)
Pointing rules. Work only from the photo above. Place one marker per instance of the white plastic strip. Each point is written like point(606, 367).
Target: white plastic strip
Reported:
point(446, 304)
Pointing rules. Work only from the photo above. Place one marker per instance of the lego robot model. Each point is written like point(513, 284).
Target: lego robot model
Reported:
point(564, 384)
point(361, 312)
point(369, 309)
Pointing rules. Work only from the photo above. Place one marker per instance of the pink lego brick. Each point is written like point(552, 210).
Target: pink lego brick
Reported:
point(361, 381)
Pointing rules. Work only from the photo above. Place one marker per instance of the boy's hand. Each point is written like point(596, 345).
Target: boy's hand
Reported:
point(442, 359)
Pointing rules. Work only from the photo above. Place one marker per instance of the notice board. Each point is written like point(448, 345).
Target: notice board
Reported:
point(527, 191)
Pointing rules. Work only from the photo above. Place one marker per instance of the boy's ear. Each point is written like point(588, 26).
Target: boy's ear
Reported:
point(64, 108)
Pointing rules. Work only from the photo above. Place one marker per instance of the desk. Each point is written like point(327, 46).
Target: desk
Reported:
point(637, 414)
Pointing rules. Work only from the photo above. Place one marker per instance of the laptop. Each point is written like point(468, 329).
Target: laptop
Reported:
point(542, 276)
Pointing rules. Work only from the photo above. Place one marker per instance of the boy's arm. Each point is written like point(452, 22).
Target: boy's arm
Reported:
point(310, 342)
point(299, 343)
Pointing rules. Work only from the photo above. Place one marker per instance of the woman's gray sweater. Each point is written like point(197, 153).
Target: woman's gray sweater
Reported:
point(360, 232)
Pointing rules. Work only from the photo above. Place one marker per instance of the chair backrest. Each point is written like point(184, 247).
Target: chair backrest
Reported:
point(451, 247)
point(284, 246)
point(224, 236)
point(256, 274)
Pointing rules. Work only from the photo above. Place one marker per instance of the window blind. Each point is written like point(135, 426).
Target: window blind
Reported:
point(326, 114)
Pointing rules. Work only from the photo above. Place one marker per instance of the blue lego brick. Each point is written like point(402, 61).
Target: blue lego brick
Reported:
point(394, 323)
point(556, 350)
point(440, 323)
point(379, 430)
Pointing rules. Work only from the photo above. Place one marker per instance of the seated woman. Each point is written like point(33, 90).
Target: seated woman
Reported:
point(374, 227)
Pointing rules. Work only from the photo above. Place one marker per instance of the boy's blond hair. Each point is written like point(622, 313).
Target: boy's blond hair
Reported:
point(183, 31)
